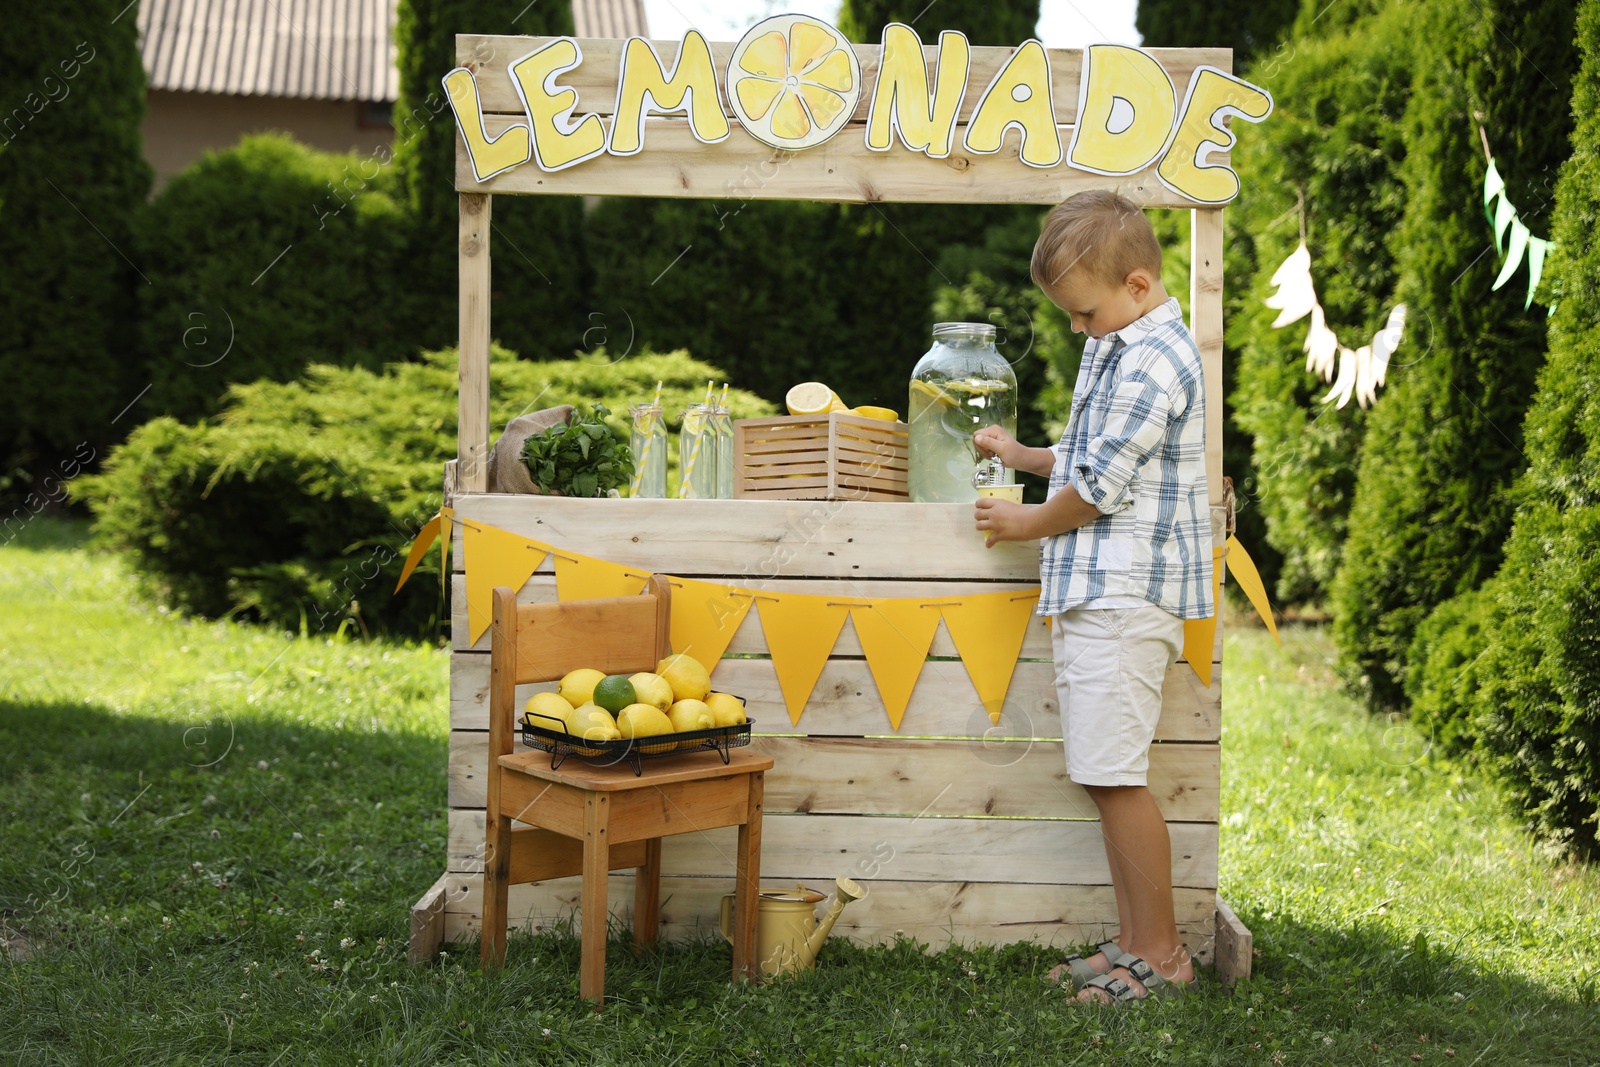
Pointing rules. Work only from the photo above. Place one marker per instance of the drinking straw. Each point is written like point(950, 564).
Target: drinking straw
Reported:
point(686, 476)
point(649, 442)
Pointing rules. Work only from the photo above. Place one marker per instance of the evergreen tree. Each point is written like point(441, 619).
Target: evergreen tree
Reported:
point(1432, 507)
point(991, 22)
point(1249, 27)
point(1338, 166)
point(540, 282)
point(1533, 695)
point(71, 181)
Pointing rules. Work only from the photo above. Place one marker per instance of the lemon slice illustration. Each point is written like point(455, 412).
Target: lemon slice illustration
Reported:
point(793, 81)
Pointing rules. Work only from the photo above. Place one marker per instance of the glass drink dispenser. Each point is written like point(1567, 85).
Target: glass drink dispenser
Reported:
point(961, 385)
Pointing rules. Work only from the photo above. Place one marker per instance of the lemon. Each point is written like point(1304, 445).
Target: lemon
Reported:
point(793, 81)
point(870, 412)
point(686, 715)
point(577, 687)
point(726, 709)
point(549, 710)
point(643, 720)
point(614, 692)
point(592, 723)
point(689, 680)
point(652, 689)
point(812, 398)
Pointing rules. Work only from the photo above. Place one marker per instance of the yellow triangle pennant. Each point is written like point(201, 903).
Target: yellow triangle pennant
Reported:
point(895, 634)
point(419, 548)
point(988, 630)
point(705, 616)
point(493, 557)
point(587, 578)
point(1200, 635)
point(801, 631)
point(1243, 569)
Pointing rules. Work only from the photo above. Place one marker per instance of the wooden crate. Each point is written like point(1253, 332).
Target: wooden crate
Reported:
point(838, 456)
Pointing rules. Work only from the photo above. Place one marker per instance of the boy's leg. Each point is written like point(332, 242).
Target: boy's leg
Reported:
point(1136, 833)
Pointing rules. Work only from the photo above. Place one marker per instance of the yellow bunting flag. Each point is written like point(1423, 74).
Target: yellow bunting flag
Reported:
point(1200, 635)
point(493, 557)
point(1243, 569)
point(705, 616)
point(988, 630)
point(419, 548)
point(895, 634)
point(800, 631)
point(587, 578)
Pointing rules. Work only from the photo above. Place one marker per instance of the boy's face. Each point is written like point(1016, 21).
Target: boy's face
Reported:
point(1097, 308)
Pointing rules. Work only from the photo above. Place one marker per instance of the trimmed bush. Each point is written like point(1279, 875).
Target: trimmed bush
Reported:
point(540, 272)
point(72, 180)
point(1444, 445)
point(1344, 160)
point(264, 259)
point(296, 506)
point(1249, 27)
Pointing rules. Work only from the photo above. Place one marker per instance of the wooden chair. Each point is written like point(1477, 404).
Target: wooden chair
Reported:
point(590, 820)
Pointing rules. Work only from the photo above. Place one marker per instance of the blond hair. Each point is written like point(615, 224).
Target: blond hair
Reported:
point(1098, 232)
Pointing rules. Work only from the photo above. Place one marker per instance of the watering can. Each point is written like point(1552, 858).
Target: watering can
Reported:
point(788, 935)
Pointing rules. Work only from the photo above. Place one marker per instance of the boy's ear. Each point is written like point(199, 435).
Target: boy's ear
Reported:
point(1139, 283)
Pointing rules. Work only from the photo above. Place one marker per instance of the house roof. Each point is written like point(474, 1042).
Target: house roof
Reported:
point(310, 49)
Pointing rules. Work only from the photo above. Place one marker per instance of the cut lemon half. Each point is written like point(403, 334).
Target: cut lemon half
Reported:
point(812, 398)
point(793, 81)
point(870, 412)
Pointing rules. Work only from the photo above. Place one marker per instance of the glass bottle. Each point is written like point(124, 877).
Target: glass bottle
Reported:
point(959, 386)
point(648, 442)
point(697, 455)
point(720, 426)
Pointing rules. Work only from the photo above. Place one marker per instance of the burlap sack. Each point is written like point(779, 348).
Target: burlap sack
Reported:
point(507, 472)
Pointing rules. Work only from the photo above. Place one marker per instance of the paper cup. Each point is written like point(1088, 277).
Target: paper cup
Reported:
point(1012, 493)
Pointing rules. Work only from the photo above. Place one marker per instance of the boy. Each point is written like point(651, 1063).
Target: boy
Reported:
point(1125, 557)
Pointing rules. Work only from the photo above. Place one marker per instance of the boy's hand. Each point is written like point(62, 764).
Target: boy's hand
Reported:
point(995, 441)
point(1003, 520)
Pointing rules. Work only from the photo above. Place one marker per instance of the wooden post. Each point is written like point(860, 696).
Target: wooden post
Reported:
point(472, 435)
point(1205, 321)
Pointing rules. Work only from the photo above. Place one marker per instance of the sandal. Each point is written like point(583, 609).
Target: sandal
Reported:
point(1079, 965)
point(1123, 993)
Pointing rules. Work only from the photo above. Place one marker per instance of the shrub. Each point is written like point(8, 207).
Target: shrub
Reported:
point(1443, 446)
point(72, 180)
point(297, 504)
point(1443, 664)
point(266, 258)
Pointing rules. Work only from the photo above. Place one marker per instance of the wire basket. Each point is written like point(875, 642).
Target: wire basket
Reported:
point(630, 750)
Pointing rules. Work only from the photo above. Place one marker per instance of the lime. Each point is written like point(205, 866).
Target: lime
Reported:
point(614, 692)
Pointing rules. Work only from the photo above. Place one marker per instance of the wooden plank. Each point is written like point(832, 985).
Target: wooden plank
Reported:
point(873, 776)
point(845, 170)
point(595, 80)
point(1235, 945)
point(908, 849)
point(472, 448)
point(748, 541)
point(427, 923)
point(846, 704)
point(616, 635)
point(935, 913)
point(1205, 315)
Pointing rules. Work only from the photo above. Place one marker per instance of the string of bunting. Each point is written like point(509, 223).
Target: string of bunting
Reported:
point(1522, 244)
point(801, 629)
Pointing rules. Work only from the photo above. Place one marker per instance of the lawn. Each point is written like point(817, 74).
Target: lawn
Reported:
point(211, 833)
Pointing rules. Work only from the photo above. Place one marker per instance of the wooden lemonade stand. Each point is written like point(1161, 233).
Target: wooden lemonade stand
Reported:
point(961, 828)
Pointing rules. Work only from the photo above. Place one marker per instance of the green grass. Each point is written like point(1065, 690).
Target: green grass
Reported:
point(193, 849)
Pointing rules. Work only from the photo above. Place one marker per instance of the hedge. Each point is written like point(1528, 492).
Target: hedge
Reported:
point(71, 180)
point(1334, 144)
point(264, 259)
point(296, 505)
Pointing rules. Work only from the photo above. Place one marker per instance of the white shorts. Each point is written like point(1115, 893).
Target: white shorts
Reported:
point(1110, 664)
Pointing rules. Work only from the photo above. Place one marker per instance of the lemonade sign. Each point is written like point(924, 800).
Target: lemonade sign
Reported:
point(793, 82)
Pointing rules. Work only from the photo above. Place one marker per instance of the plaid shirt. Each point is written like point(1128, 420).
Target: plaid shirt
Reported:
point(1135, 447)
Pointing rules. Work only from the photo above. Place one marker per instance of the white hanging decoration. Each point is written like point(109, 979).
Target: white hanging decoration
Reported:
point(1360, 371)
